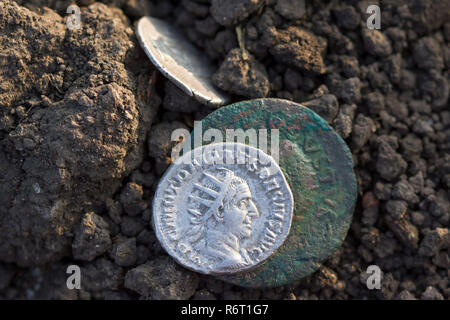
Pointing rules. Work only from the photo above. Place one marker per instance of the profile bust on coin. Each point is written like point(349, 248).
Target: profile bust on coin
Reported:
point(222, 217)
point(228, 213)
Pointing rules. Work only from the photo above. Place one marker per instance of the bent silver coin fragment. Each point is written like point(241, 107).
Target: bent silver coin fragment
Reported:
point(179, 60)
point(222, 208)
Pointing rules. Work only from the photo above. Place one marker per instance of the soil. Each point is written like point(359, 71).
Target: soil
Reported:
point(85, 123)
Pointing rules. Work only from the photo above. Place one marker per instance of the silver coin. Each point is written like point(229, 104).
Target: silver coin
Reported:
point(179, 60)
point(222, 208)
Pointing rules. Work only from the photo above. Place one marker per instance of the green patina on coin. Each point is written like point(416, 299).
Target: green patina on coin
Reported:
point(319, 169)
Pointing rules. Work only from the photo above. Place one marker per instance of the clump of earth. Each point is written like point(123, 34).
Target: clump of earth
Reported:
point(85, 123)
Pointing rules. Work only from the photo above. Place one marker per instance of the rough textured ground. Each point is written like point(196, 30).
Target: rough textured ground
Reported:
point(84, 125)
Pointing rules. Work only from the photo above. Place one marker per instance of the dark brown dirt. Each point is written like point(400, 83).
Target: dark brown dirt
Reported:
point(85, 136)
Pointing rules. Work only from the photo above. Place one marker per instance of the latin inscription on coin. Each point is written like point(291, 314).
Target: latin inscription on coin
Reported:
point(222, 208)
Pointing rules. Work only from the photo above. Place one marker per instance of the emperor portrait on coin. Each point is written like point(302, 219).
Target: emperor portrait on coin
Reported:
point(222, 208)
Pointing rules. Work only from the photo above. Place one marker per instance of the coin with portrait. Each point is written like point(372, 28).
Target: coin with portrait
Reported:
point(224, 213)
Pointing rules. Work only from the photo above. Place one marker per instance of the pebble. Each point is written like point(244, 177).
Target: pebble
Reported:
point(431, 293)
point(349, 90)
point(376, 43)
point(242, 76)
point(326, 106)
point(397, 209)
point(124, 252)
point(231, 12)
point(427, 54)
point(131, 199)
point(389, 163)
point(92, 238)
point(347, 17)
point(433, 241)
point(162, 279)
point(363, 129)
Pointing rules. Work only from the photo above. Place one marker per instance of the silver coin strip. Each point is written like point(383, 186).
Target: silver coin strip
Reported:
point(179, 60)
point(222, 208)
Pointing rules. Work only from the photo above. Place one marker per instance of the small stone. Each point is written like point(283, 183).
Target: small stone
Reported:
point(91, 239)
point(417, 218)
point(162, 279)
point(100, 275)
point(411, 146)
point(207, 26)
point(142, 253)
point(407, 80)
point(347, 17)
point(349, 109)
point(438, 205)
point(290, 9)
point(326, 106)
point(406, 295)
point(408, 285)
point(115, 210)
point(343, 125)
point(397, 208)
point(427, 54)
point(29, 144)
point(423, 127)
point(319, 91)
point(433, 241)
point(124, 251)
point(370, 209)
point(398, 38)
point(299, 48)
point(131, 226)
point(349, 66)
point(404, 231)
point(362, 130)
point(6, 122)
point(349, 90)
point(376, 43)
point(240, 76)
point(385, 246)
point(231, 12)
point(434, 86)
point(431, 293)
point(375, 102)
point(404, 191)
point(442, 260)
point(389, 163)
point(383, 190)
point(326, 277)
point(389, 286)
point(419, 106)
point(131, 198)
point(135, 8)
point(427, 16)
point(393, 67)
point(417, 182)
point(146, 237)
point(387, 141)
